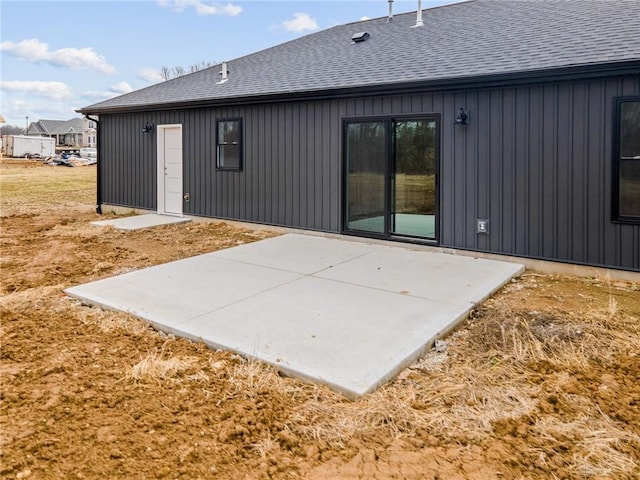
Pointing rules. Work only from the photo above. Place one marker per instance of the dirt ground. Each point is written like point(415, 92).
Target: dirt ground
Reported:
point(541, 382)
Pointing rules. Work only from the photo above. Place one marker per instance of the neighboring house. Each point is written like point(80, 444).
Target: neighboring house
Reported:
point(502, 127)
point(77, 132)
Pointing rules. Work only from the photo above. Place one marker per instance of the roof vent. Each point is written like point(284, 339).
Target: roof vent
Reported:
point(359, 37)
point(419, 22)
point(390, 17)
point(224, 74)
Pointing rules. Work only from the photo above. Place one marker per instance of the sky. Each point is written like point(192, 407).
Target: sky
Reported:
point(58, 56)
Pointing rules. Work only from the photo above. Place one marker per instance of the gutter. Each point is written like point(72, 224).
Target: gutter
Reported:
point(584, 72)
point(98, 169)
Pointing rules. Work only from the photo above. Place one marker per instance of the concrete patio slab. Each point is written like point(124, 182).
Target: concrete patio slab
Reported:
point(335, 340)
point(348, 314)
point(288, 252)
point(449, 278)
point(138, 222)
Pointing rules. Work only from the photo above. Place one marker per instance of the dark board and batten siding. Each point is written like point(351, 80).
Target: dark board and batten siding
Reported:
point(535, 161)
point(290, 170)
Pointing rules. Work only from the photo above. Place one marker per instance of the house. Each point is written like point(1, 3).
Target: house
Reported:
point(76, 132)
point(504, 127)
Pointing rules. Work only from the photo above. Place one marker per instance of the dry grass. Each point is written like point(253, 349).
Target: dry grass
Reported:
point(483, 378)
point(22, 192)
point(265, 446)
point(40, 299)
point(109, 321)
point(598, 443)
point(161, 365)
point(444, 407)
point(473, 389)
point(250, 377)
point(29, 299)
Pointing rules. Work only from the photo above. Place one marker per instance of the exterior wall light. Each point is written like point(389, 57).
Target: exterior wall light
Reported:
point(148, 128)
point(462, 117)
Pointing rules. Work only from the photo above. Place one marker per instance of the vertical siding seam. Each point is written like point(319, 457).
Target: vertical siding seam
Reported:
point(322, 165)
point(493, 239)
point(511, 225)
point(319, 208)
point(541, 156)
point(530, 165)
point(603, 165)
point(463, 173)
point(539, 229)
point(570, 173)
point(470, 225)
point(556, 164)
point(334, 159)
point(527, 210)
point(512, 200)
point(541, 159)
point(618, 228)
point(586, 240)
point(284, 163)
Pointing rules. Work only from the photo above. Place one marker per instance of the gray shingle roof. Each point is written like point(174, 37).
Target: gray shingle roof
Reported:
point(460, 41)
point(53, 127)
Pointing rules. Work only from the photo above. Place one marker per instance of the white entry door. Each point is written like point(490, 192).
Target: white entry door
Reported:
point(170, 169)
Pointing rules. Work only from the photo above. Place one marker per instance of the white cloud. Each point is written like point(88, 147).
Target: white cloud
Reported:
point(34, 51)
point(202, 8)
point(362, 19)
point(98, 95)
point(149, 74)
point(52, 90)
point(15, 110)
point(121, 87)
point(300, 22)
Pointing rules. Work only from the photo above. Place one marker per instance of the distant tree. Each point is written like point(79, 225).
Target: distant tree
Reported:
point(167, 73)
point(11, 130)
point(196, 67)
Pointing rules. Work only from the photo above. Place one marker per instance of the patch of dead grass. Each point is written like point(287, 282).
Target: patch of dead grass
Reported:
point(25, 300)
point(600, 443)
point(52, 185)
point(490, 374)
point(161, 365)
point(110, 321)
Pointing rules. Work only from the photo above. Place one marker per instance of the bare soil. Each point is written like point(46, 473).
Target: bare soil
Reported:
point(542, 381)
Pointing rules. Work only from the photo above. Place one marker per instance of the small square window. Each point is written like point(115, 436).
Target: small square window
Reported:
point(229, 144)
point(626, 161)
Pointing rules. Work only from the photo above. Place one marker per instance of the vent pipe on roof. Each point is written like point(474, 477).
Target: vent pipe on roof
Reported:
point(224, 73)
point(419, 22)
point(390, 17)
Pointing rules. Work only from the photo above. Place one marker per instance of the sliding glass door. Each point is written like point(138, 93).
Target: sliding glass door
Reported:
point(391, 168)
point(366, 156)
point(413, 202)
